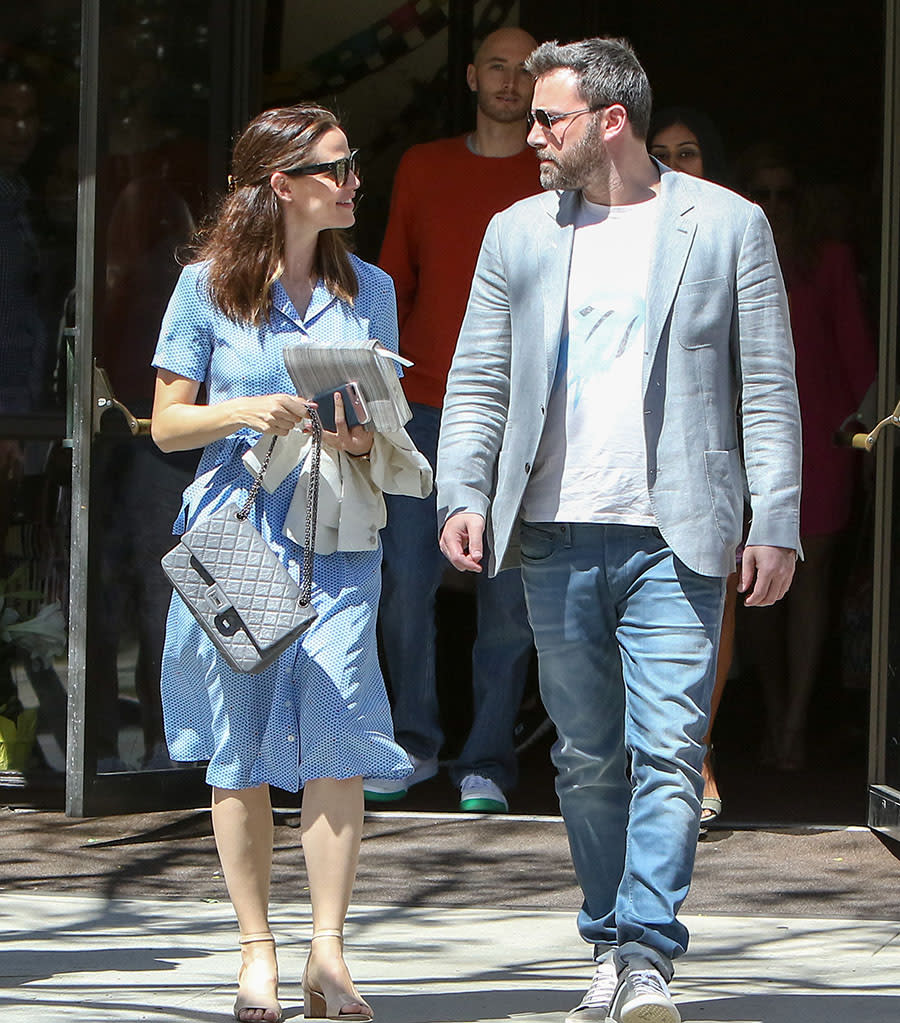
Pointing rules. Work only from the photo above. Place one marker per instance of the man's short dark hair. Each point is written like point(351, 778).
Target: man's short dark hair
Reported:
point(608, 72)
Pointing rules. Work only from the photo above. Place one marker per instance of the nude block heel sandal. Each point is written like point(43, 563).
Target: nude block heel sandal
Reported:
point(255, 997)
point(316, 1004)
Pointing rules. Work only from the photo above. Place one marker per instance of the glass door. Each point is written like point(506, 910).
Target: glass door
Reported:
point(164, 85)
point(39, 51)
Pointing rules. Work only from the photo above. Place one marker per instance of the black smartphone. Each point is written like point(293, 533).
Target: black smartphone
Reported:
point(355, 411)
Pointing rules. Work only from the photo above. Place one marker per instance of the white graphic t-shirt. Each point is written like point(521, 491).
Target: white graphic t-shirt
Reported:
point(591, 465)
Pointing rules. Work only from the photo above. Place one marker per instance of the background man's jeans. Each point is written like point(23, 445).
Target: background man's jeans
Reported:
point(413, 567)
point(627, 639)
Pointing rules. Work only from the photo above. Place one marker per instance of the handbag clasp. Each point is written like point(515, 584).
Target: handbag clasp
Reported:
point(215, 597)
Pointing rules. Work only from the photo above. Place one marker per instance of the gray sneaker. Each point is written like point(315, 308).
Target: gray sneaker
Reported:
point(643, 997)
point(594, 1007)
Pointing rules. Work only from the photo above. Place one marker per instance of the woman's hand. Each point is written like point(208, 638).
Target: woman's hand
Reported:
point(271, 413)
point(356, 440)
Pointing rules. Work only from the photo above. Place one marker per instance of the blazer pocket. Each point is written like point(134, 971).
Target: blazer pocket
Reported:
point(724, 479)
point(702, 313)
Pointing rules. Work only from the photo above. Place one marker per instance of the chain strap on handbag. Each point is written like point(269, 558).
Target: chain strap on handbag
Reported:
point(312, 502)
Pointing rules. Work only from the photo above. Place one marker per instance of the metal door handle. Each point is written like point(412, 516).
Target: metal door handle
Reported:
point(866, 441)
point(104, 400)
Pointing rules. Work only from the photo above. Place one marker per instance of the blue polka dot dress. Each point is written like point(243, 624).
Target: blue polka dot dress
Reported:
point(320, 710)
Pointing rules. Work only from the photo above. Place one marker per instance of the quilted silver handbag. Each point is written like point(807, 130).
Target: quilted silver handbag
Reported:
point(234, 584)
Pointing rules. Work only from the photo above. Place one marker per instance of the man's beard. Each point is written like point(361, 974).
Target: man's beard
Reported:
point(572, 170)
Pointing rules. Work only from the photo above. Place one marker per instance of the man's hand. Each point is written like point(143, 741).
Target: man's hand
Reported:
point(769, 571)
point(461, 541)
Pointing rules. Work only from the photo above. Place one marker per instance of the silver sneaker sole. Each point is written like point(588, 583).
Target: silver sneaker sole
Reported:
point(589, 1016)
point(650, 1012)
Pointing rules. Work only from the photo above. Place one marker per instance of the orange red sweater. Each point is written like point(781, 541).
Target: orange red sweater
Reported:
point(443, 198)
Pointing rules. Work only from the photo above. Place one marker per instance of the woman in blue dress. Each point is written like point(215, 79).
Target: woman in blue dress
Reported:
point(273, 268)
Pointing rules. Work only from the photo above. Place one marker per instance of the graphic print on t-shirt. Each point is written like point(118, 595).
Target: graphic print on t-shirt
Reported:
point(600, 334)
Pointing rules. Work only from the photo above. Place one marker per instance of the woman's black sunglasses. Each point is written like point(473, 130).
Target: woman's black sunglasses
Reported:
point(338, 169)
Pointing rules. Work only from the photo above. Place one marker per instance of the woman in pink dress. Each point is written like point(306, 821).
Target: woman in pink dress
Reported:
point(836, 363)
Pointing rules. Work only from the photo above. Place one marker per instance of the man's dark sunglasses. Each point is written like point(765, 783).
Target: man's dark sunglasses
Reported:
point(547, 121)
point(338, 169)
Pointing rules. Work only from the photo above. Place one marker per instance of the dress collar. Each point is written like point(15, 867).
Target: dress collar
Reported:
point(319, 301)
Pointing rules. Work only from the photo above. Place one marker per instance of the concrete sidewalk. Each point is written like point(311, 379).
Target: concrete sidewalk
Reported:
point(92, 960)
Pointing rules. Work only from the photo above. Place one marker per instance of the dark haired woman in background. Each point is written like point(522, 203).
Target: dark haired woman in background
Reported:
point(274, 269)
point(686, 140)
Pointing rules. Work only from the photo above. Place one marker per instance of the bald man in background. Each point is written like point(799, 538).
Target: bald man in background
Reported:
point(445, 192)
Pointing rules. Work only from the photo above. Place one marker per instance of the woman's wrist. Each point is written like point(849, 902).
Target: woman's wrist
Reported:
point(367, 436)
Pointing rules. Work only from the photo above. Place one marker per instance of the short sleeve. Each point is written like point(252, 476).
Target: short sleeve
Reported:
point(186, 336)
point(377, 294)
point(384, 312)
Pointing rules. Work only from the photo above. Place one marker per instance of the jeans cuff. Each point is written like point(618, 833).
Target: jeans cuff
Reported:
point(633, 950)
point(603, 952)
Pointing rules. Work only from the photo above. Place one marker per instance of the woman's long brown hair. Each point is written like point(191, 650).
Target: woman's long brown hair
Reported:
point(244, 243)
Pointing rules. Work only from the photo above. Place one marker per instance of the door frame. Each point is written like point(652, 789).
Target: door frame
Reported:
point(80, 775)
point(883, 813)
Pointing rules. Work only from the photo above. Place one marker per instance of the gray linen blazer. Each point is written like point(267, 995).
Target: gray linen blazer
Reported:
point(718, 342)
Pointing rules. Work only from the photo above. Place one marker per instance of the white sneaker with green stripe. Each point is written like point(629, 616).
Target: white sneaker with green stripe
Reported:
point(386, 790)
point(481, 795)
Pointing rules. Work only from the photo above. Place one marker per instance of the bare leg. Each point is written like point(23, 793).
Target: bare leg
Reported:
point(242, 823)
point(331, 819)
point(723, 667)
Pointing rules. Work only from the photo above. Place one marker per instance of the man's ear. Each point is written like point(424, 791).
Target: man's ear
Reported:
point(472, 78)
point(616, 120)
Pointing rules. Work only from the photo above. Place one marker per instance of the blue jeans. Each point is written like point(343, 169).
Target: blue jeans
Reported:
point(627, 639)
point(412, 570)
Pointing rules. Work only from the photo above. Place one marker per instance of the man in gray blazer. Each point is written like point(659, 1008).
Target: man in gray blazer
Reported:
point(623, 380)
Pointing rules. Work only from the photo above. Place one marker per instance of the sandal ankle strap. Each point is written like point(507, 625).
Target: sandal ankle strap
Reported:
point(246, 939)
point(328, 934)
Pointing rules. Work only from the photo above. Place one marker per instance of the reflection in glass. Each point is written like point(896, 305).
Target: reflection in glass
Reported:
point(24, 335)
point(38, 186)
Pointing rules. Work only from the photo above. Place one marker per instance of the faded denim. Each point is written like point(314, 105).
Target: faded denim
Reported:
point(627, 639)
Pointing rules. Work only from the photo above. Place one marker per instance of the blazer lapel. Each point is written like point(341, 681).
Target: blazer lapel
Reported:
point(555, 258)
point(674, 236)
